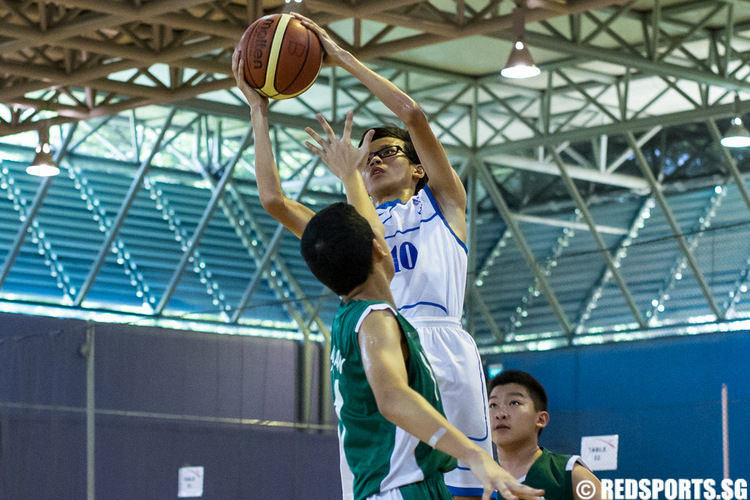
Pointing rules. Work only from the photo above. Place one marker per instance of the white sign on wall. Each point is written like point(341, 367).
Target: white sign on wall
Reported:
point(600, 452)
point(190, 482)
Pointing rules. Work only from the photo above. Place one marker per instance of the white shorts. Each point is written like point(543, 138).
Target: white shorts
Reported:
point(455, 360)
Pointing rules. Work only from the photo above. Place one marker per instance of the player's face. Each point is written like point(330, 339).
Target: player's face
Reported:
point(388, 170)
point(513, 417)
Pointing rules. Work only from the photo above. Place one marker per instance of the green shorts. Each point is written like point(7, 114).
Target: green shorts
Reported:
point(432, 488)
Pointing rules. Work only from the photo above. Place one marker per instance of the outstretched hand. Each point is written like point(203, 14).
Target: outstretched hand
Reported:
point(238, 69)
point(333, 52)
point(341, 156)
point(495, 478)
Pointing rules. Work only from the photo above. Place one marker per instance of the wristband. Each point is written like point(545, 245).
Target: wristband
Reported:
point(436, 437)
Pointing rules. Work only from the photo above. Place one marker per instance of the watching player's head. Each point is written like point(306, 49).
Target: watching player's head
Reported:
point(518, 408)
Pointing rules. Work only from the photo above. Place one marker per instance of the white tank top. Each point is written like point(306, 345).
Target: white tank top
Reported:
point(430, 259)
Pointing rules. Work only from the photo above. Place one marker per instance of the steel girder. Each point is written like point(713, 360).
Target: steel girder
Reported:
point(79, 59)
point(603, 85)
point(487, 189)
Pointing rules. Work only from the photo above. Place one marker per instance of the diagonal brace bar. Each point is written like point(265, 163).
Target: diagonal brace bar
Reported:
point(499, 201)
point(202, 225)
point(661, 200)
point(491, 323)
point(581, 205)
point(270, 251)
point(122, 213)
point(30, 214)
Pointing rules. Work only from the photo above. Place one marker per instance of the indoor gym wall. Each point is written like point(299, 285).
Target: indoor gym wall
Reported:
point(662, 397)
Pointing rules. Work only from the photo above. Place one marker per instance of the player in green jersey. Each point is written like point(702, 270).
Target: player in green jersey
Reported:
point(391, 429)
point(518, 413)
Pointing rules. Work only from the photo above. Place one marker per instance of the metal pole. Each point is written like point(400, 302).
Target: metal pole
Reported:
point(725, 429)
point(471, 218)
point(88, 351)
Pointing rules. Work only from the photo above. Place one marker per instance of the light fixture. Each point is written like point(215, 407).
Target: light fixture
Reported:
point(737, 135)
point(43, 164)
point(520, 64)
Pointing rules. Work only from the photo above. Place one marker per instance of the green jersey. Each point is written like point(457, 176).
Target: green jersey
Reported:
point(552, 472)
point(379, 455)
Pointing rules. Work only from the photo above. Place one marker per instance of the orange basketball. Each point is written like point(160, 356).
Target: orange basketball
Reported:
point(282, 57)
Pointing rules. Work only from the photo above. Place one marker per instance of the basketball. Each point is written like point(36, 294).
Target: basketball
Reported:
point(282, 58)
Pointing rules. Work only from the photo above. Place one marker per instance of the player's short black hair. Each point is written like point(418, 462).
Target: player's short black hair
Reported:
point(535, 389)
point(389, 130)
point(337, 247)
point(525, 380)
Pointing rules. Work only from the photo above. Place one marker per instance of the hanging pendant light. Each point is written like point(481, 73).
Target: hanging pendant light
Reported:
point(44, 163)
point(520, 63)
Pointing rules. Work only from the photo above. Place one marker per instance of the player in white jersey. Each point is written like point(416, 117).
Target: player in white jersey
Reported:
point(426, 231)
point(428, 287)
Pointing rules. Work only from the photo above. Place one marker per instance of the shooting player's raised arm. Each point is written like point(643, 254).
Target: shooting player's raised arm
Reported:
point(293, 215)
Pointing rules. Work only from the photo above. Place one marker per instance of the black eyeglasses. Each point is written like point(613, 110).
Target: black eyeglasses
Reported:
point(385, 152)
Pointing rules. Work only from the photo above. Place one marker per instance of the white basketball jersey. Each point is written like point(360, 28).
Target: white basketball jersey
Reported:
point(430, 259)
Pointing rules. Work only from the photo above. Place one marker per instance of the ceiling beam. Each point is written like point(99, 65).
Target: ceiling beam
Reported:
point(117, 13)
point(549, 221)
point(625, 60)
point(438, 32)
point(499, 27)
point(716, 111)
point(575, 172)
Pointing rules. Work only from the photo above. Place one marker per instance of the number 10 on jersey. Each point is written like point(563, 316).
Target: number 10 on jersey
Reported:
point(404, 256)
